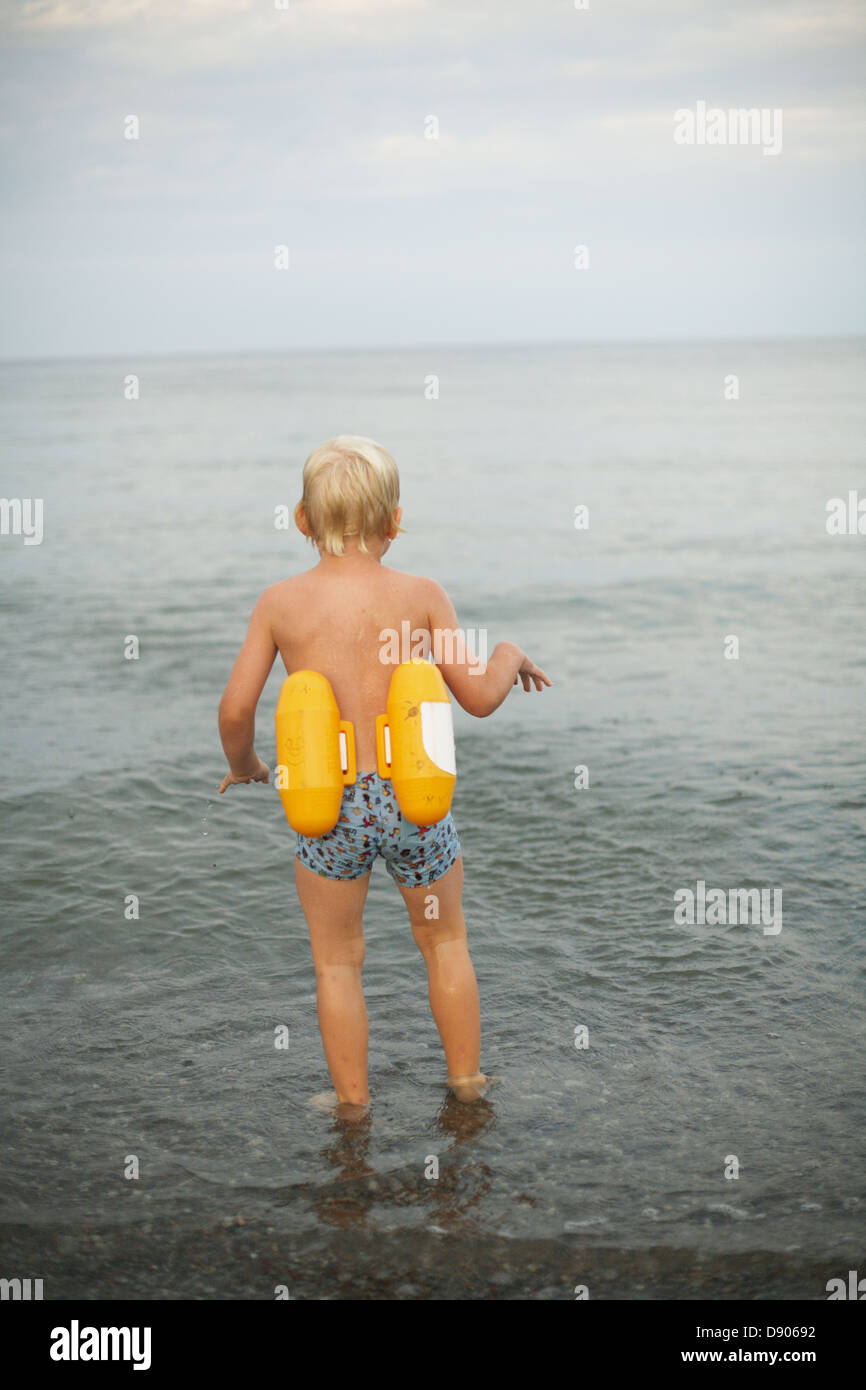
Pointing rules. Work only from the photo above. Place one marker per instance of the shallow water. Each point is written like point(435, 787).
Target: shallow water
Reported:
point(155, 1038)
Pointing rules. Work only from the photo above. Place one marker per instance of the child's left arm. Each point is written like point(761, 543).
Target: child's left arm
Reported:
point(237, 711)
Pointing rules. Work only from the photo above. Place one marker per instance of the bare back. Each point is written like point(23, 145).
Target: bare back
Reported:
point(328, 621)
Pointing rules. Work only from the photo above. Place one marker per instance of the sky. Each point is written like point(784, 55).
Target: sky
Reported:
point(304, 124)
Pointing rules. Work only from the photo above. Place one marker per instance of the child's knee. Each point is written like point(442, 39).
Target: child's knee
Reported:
point(430, 935)
point(349, 956)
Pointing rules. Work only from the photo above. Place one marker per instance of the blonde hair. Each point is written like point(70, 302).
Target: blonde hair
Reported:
point(351, 487)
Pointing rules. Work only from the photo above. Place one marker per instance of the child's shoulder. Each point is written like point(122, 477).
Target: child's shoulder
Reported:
point(422, 589)
point(417, 581)
point(273, 599)
point(418, 587)
point(279, 589)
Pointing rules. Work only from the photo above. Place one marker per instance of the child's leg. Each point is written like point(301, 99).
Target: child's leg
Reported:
point(334, 910)
point(451, 979)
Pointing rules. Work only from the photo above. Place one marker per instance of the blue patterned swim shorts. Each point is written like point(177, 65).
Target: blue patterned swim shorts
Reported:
point(371, 823)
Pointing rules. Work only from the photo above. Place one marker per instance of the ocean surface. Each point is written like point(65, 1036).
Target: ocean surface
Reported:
point(148, 1044)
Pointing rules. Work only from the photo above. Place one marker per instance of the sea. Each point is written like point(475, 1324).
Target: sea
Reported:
point(670, 530)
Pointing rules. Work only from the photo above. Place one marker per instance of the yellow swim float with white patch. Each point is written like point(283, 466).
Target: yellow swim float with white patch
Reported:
point(415, 742)
point(316, 748)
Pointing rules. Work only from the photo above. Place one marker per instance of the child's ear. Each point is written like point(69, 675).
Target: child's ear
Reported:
point(398, 512)
point(301, 519)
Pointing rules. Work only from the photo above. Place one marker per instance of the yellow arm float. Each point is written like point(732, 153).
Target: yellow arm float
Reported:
point(415, 742)
point(315, 753)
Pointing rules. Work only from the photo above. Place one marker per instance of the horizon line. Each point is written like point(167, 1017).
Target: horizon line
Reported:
point(437, 346)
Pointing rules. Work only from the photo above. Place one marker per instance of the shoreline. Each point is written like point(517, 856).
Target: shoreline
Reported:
point(241, 1260)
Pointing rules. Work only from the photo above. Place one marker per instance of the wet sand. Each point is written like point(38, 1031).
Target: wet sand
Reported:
point(248, 1260)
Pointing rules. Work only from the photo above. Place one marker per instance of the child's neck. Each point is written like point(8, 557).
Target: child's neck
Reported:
point(353, 558)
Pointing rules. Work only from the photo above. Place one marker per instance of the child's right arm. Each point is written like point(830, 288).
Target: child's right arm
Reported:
point(479, 690)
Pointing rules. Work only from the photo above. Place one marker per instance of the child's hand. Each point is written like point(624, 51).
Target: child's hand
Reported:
point(260, 772)
point(530, 672)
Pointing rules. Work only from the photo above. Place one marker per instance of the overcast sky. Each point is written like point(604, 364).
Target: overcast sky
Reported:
point(305, 126)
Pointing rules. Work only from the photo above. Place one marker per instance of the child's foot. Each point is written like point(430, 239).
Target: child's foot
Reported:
point(468, 1088)
point(326, 1103)
point(347, 1110)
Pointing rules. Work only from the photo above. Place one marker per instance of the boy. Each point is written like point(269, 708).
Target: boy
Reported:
point(331, 619)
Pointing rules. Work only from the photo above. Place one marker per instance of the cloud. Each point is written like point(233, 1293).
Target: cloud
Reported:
point(306, 125)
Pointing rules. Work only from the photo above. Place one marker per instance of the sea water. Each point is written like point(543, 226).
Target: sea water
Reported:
point(649, 522)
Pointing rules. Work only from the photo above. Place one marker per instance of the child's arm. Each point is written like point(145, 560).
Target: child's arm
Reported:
point(237, 711)
point(479, 692)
